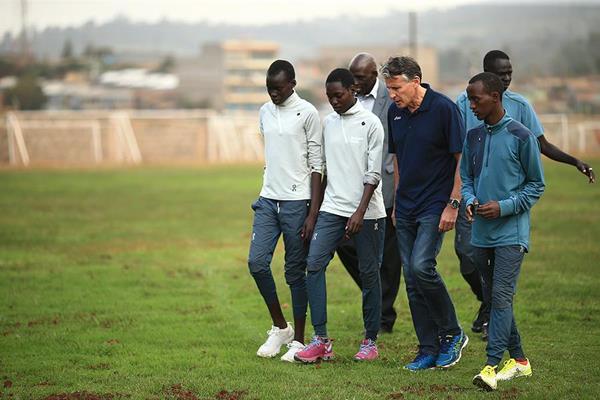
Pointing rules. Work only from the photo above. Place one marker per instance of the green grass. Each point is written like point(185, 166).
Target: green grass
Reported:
point(128, 282)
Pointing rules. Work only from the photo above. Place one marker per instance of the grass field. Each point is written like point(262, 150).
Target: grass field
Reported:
point(133, 284)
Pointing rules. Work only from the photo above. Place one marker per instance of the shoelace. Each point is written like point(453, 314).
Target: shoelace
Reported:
point(365, 348)
point(489, 369)
point(273, 331)
point(314, 343)
point(446, 344)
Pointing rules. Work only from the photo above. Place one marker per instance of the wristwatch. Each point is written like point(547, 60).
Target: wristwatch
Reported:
point(454, 203)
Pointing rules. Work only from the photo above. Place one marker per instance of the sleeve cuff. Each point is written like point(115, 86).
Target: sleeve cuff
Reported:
point(507, 207)
point(371, 180)
point(469, 201)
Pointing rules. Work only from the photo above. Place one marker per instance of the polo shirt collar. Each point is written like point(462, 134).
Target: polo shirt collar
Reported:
point(426, 103)
point(373, 91)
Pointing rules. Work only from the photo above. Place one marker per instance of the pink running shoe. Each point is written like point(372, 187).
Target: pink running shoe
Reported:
point(318, 348)
point(367, 352)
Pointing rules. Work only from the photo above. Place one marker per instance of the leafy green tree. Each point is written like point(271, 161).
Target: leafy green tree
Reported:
point(27, 94)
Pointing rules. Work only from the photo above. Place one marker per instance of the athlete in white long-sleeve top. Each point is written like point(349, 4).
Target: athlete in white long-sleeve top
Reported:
point(352, 209)
point(287, 204)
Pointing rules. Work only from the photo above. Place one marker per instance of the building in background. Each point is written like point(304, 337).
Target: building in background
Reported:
point(228, 76)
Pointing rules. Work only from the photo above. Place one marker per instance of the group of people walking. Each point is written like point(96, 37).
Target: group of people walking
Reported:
point(380, 181)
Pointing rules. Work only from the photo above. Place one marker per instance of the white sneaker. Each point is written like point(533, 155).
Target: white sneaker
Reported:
point(293, 348)
point(277, 338)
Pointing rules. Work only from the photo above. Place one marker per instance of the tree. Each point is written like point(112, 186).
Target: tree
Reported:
point(67, 50)
point(7, 67)
point(27, 94)
point(166, 65)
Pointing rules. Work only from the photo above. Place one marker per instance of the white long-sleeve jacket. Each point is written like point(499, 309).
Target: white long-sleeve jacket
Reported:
point(353, 146)
point(293, 148)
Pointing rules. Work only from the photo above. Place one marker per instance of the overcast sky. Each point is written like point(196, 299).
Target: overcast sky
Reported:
point(44, 13)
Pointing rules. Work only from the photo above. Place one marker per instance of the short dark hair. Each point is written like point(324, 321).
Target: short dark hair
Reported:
point(491, 57)
point(282, 66)
point(491, 82)
point(401, 66)
point(342, 75)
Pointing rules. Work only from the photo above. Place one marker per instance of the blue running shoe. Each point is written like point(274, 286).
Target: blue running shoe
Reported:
point(421, 361)
point(451, 349)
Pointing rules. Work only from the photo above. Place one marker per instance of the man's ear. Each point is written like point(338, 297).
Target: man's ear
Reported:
point(496, 96)
point(354, 88)
point(293, 83)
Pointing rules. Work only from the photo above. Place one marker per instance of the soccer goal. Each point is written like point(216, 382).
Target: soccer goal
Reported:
point(52, 140)
point(130, 137)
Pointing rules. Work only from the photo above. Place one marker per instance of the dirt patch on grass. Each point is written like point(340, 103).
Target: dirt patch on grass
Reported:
point(178, 392)
point(54, 320)
point(396, 396)
point(195, 310)
point(510, 394)
point(44, 321)
point(183, 272)
point(234, 395)
point(425, 390)
point(86, 396)
point(99, 366)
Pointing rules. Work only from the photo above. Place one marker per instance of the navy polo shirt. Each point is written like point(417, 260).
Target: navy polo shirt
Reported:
point(425, 143)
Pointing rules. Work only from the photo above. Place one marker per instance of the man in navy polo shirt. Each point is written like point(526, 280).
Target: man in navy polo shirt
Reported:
point(426, 136)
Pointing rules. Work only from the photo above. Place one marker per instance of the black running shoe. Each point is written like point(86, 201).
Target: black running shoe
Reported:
point(481, 319)
point(484, 332)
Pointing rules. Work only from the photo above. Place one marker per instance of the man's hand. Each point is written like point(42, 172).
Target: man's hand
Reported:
point(489, 210)
point(470, 209)
point(354, 223)
point(448, 219)
point(308, 228)
point(586, 170)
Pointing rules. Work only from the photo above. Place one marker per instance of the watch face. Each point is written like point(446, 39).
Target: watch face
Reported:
point(454, 203)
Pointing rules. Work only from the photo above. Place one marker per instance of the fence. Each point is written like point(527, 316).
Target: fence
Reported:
point(573, 133)
point(175, 136)
point(128, 137)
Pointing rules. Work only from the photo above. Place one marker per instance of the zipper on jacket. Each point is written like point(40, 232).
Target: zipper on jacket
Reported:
point(343, 130)
point(487, 157)
point(278, 119)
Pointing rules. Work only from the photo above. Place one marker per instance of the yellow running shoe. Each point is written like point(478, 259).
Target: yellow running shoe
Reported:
point(486, 379)
point(513, 369)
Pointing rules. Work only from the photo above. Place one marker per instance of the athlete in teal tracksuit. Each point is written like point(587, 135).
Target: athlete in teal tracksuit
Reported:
point(502, 178)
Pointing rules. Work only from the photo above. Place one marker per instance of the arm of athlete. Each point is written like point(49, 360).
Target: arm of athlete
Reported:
point(556, 154)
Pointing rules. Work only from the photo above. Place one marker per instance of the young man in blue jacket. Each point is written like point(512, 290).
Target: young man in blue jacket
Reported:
point(502, 178)
point(518, 108)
